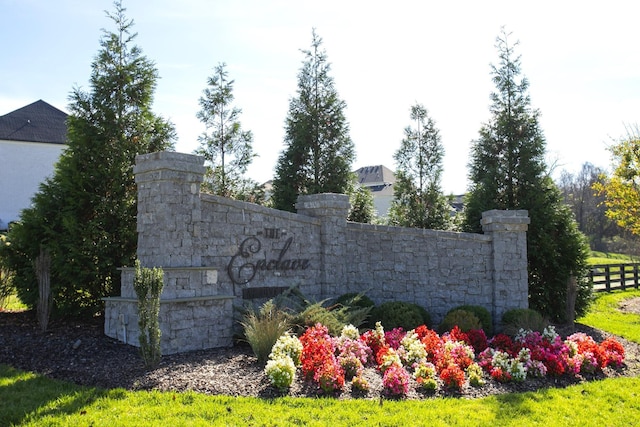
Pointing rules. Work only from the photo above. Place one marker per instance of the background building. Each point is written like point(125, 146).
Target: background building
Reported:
point(31, 141)
point(379, 179)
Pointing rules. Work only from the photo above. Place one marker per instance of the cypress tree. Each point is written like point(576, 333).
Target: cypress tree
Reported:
point(508, 171)
point(319, 151)
point(85, 215)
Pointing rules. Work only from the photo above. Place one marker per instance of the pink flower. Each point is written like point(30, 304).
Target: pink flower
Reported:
point(395, 380)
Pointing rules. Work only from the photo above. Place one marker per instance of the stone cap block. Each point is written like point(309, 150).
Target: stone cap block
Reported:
point(169, 160)
point(505, 220)
point(326, 204)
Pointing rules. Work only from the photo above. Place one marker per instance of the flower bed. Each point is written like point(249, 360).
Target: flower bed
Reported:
point(433, 361)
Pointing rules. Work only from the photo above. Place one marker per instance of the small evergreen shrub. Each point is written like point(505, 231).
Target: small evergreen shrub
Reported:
point(352, 300)
point(262, 329)
point(148, 284)
point(318, 313)
point(334, 317)
point(463, 319)
point(483, 315)
point(400, 314)
point(523, 318)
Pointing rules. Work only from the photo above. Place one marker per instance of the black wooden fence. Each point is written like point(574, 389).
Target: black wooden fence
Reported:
point(609, 277)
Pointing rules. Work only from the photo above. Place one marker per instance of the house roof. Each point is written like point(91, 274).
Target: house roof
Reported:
point(37, 122)
point(375, 175)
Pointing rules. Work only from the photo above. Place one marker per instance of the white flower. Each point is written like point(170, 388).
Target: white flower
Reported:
point(351, 332)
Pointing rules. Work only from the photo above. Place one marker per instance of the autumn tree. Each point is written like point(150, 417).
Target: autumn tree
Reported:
point(507, 170)
point(418, 199)
point(225, 146)
point(319, 151)
point(85, 214)
point(621, 190)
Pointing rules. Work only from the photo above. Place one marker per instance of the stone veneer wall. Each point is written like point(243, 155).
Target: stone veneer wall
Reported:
point(217, 253)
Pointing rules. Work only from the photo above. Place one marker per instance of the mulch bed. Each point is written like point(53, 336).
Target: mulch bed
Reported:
point(82, 354)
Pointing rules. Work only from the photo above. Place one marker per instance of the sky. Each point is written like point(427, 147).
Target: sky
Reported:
point(581, 59)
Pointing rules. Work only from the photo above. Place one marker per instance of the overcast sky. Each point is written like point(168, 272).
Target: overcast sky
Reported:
point(581, 58)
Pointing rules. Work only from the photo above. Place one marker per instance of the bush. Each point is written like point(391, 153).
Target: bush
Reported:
point(262, 329)
point(400, 314)
point(352, 300)
point(334, 317)
point(482, 314)
point(463, 319)
point(148, 284)
point(523, 318)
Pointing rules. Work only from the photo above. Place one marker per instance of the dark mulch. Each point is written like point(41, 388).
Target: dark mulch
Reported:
point(79, 352)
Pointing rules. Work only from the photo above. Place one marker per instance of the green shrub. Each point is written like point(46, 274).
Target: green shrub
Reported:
point(355, 300)
point(333, 317)
point(523, 318)
point(262, 329)
point(400, 314)
point(148, 285)
point(307, 313)
point(482, 314)
point(463, 319)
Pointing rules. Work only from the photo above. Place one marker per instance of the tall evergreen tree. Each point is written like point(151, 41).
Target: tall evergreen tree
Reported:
point(226, 148)
point(418, 199)
point(508, 171)
point(85, 215)
point(319, 151)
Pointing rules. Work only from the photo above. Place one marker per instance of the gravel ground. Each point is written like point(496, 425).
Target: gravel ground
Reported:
point(82, 354)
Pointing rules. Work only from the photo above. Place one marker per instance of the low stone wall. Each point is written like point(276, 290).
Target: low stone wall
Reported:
point(218, 253)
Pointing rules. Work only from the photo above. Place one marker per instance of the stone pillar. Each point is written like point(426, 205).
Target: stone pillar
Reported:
point(169, 209)
point(332, 210)
point(508, 230)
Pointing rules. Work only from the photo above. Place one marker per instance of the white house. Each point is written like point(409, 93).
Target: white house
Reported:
point(379, 179)
point(31, 141)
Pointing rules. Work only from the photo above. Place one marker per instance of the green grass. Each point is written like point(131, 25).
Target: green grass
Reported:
point(612, 255)
point(604, 314)
point(31, 400)
point(12, 303)
point(609, 258)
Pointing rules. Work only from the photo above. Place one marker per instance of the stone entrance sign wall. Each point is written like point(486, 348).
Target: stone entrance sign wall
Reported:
point(217, 253)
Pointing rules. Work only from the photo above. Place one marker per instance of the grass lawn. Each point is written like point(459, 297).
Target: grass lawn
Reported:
point(610, 258)
point(12, 303)
point(27, 399)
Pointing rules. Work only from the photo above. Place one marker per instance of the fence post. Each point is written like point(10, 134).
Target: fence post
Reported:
point(635, 276)
point(607, 278)
point(622, 278)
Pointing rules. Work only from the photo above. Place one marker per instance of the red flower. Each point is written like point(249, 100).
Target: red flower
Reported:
point(477, 340)
point(503, 342)
point(457, 335)
point(452, 376)
point(611, 353)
